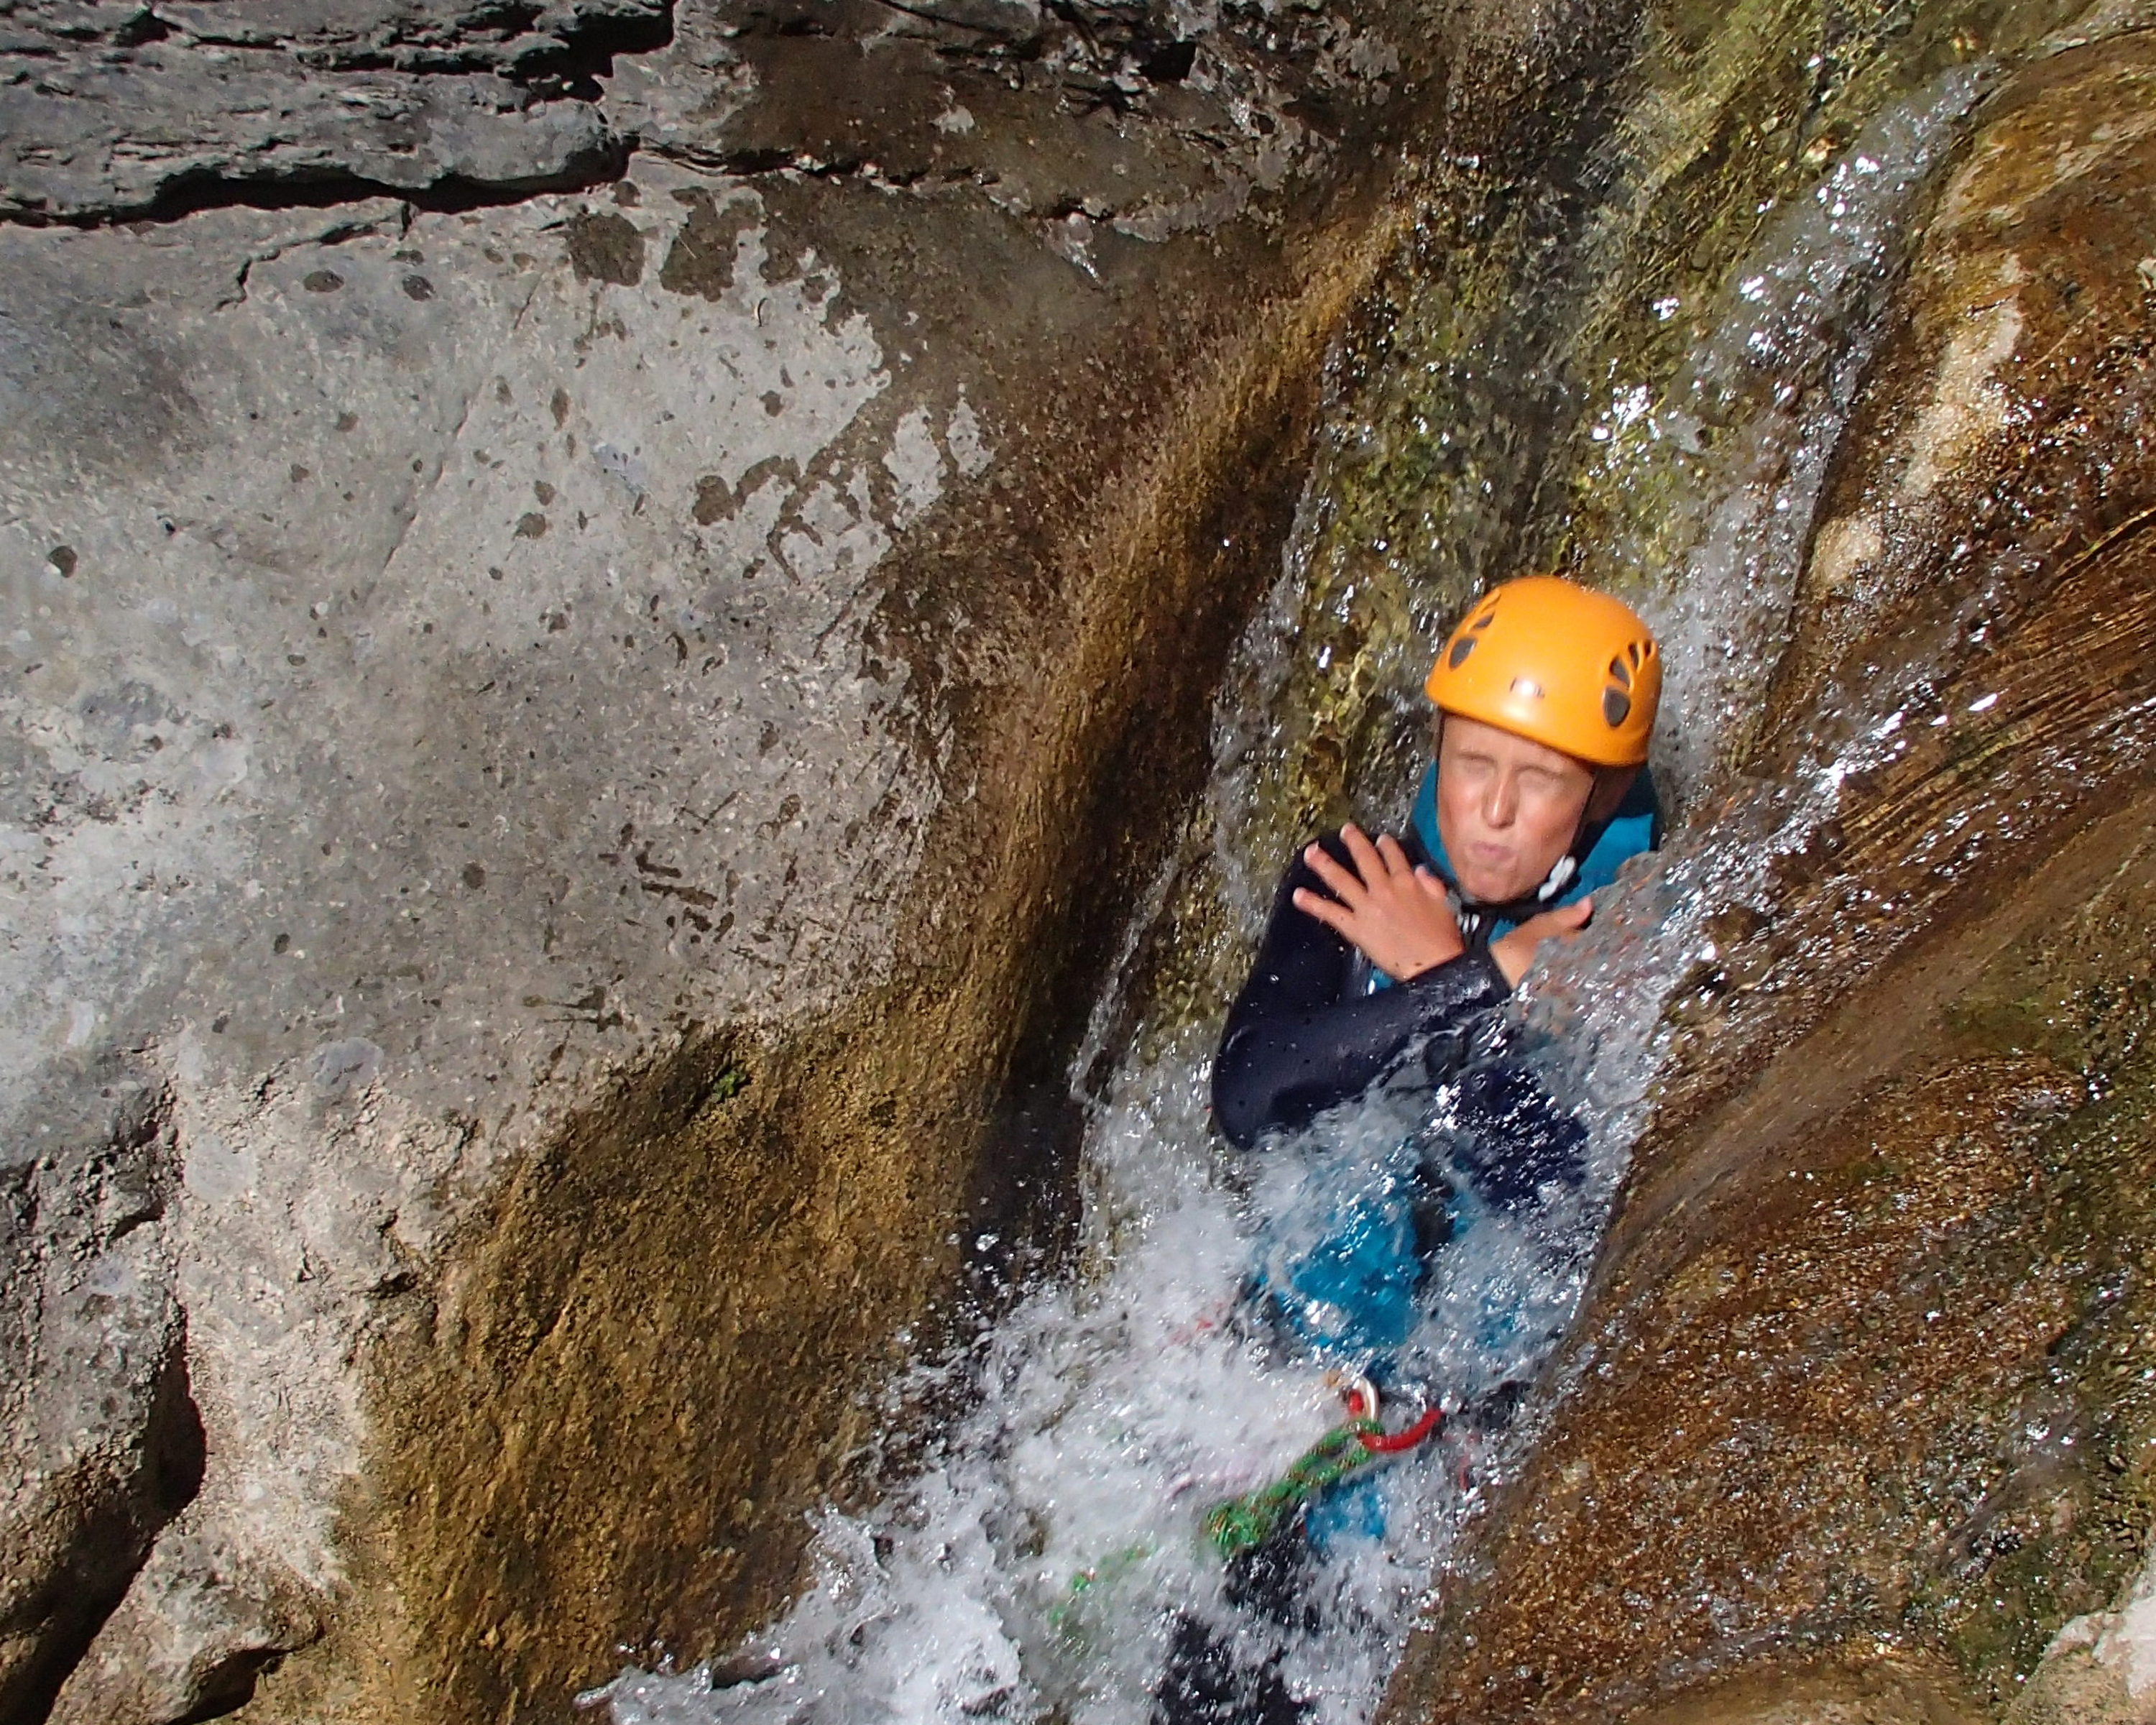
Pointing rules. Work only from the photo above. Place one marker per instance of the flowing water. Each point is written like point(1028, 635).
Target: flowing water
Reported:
point(1047, 1554)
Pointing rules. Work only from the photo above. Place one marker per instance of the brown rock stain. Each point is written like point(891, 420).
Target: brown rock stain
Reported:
point(1864, 1393)
point(1865, 1385)
point(645, 1361)
point(605, 246)
point(701, 259)
point(2027, 344)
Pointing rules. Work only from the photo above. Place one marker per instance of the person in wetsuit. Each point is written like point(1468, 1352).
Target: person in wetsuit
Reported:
point(1545, 697)
point(1378, 959)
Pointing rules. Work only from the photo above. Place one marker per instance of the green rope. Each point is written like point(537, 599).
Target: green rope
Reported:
point(1240, 1524)
point(1244, 1523)
point(1067, 1619)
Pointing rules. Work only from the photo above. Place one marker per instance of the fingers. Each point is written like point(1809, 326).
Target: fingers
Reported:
point(1513, 952)
point(1342, 880)
point(1569, 919)
point(1435, 895)
point(1565, 919)
point(1367, 863)
point(1394, 856)
point(1370, 884)
point(1334, 915)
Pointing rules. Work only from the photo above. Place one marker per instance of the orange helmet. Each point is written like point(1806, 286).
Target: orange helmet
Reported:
point(1554, 662)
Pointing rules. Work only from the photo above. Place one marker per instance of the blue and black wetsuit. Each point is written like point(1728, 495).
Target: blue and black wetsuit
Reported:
point(1314, 1026)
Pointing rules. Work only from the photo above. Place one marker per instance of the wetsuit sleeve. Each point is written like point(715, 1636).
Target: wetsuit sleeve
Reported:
point(1510, 1139)
point(1299, 1041)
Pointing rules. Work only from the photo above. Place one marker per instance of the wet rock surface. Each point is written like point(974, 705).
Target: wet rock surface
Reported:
point(570, 754)
point(1149, 118)
point(2099, 1669)
point(1860, 1418)
point(606, 601)
point(109, 108)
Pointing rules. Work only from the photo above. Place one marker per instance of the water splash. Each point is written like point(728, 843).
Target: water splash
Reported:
point(1046, 1556)
point(1043, 1562)
point(1729, 457)
point(1107, 1416)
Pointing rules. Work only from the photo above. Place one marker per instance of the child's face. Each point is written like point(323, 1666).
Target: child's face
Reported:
point(1506, 808)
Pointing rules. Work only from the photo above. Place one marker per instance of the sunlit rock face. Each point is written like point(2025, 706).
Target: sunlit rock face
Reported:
point(1860, 1419)
point(607, 605)
point(601, 606)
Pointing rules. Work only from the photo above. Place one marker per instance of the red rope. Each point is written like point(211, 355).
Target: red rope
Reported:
point(1378, 1444)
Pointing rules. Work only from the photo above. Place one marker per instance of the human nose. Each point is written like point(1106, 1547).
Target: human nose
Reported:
point(1501, 806)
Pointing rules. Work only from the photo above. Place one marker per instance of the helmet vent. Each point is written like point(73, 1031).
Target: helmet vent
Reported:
point(1620, 673)
point(1460, 649)
point(1616, 704)
point(1528, 687)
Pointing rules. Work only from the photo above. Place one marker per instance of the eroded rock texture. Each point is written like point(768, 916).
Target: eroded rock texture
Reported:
point(606, 601)
point(1862, 1412)
point(113, 107)
point(116, 108)
point(574, 737)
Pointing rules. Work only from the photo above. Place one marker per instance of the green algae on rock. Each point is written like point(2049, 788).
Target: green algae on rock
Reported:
point(1554, 373)
point(1861, 1386)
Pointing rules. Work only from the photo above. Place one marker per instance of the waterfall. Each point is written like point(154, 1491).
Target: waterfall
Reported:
point(1046, 1552)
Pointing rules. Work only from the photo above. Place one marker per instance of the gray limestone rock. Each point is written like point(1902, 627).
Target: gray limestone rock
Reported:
point(202, 1618)
point(2100, 1668)
point(107, 108)
point(115, 110)
point(450, 661)
point(412, 649)
point(100, 1443)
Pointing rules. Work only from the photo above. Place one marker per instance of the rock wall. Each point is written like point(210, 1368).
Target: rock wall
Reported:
point(606, 602)
point(603, 603)
point(1859, 1422)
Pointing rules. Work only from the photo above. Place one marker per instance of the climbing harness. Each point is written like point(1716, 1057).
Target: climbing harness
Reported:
point(1243, 1524)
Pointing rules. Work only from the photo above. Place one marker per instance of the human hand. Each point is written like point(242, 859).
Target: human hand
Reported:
point(1515, 952)
point(1393, 913)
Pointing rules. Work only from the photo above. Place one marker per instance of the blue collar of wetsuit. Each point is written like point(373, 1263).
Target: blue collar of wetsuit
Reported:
point(1635, 828)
